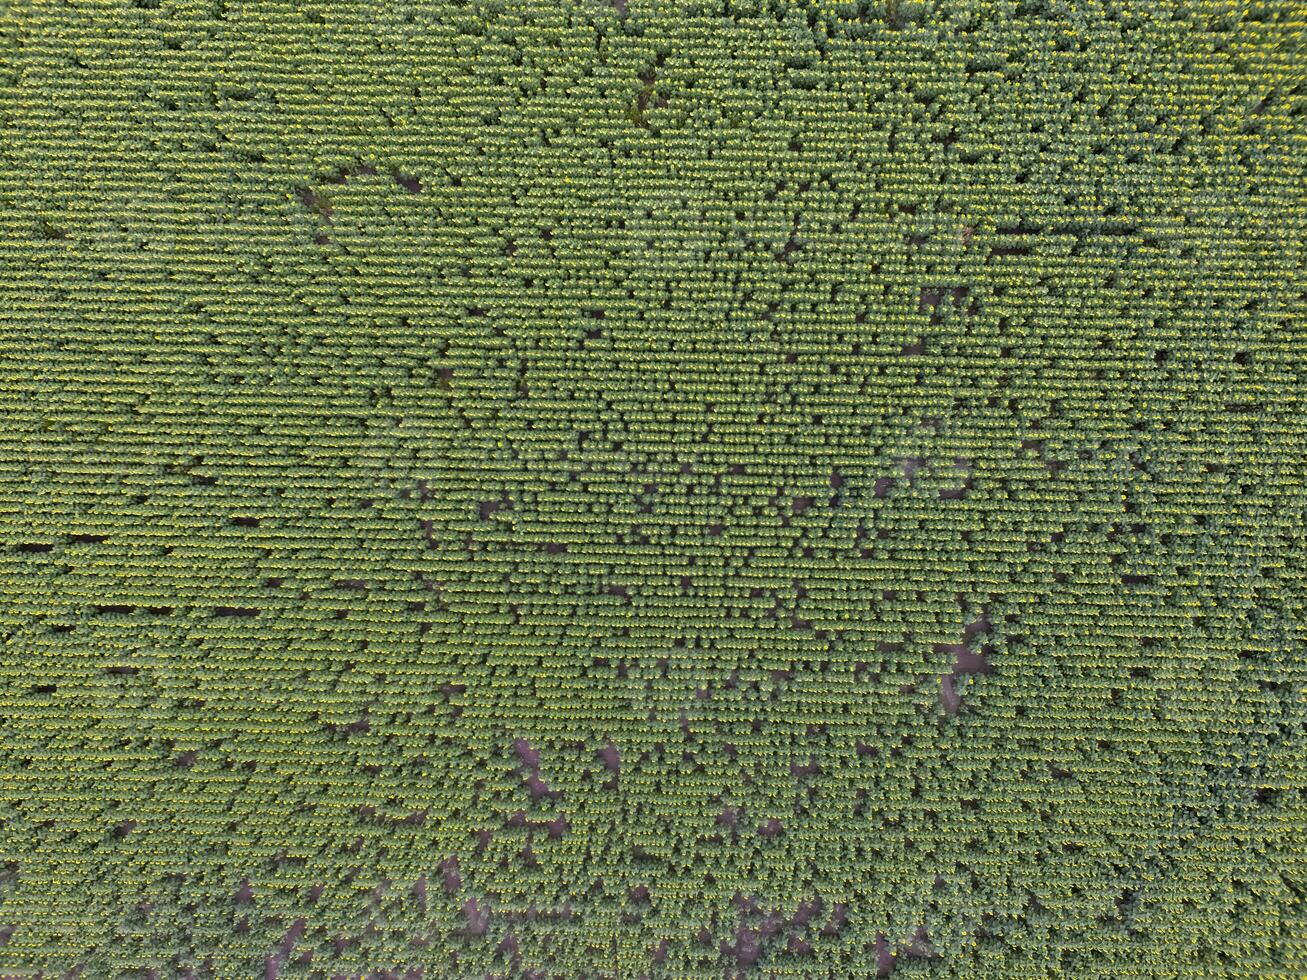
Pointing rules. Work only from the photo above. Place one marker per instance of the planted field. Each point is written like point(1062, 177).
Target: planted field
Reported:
point(679, 490)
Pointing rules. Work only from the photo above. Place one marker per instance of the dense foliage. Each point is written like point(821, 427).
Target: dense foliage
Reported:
point(570, 489)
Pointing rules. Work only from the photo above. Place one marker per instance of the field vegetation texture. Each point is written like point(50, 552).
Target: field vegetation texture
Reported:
point(583, 489)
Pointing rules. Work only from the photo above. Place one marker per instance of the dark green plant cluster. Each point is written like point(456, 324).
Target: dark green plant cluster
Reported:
point(570, 489)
